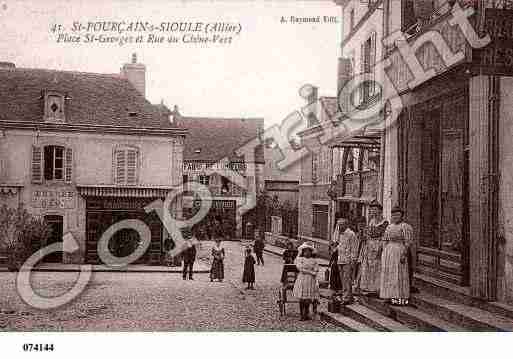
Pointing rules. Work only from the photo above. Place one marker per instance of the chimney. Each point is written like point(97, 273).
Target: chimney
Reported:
point(7, 65)
point(136, 74)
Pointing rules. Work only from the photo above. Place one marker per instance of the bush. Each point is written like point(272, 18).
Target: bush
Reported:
point(22, 235)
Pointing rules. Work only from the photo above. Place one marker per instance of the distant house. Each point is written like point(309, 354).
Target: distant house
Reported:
point(85, 151)
point(281, 183)
point(211, 145)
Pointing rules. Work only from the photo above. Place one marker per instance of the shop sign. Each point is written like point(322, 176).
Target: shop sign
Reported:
point(217, 166)
point(497, 58)
point(54, 199)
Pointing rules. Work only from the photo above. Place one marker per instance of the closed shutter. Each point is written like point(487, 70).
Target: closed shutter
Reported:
point(373, 87)
point(131, 167)
point(119, 169)
point(362, 71)
point(37, 164)
point(68, 165)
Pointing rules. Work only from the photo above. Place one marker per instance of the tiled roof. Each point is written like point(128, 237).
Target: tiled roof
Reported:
point(330, 105)
point(211, 139)
point(93, 99)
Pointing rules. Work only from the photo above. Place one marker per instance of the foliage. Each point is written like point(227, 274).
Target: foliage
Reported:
point(22, 234)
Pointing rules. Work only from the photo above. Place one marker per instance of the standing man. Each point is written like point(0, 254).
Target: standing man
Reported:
point(189, 254)
point(348, 245)
point(258, 247)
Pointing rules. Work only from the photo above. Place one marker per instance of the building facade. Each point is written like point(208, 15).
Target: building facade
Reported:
point(211, 148)
point(448, 153)
point(85, 151)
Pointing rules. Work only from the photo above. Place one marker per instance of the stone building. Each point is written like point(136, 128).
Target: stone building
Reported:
point(448, 156)
point(445, 157)
point(85, 151)
point(210, 148)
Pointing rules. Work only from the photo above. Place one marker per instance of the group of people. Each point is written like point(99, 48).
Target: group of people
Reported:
point(378, 261)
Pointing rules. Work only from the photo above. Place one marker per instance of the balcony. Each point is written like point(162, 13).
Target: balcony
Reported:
point(428, 55)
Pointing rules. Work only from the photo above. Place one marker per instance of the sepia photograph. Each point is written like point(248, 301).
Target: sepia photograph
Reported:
point(257, 167)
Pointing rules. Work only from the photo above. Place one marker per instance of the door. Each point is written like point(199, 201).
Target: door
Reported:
point(444, 192)
point(56, 232)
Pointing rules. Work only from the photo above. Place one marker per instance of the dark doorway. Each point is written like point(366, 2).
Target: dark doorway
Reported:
point(56, 232)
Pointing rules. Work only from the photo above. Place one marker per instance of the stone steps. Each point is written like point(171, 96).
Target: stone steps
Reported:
point(470, 317)
point(373, 318)
point(347, 323)
point(409, 316)
point(450, 291)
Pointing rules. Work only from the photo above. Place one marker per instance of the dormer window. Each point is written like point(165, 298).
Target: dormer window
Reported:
point(54, 106)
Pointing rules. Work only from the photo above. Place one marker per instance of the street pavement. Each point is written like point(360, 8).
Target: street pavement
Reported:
point(159, 301)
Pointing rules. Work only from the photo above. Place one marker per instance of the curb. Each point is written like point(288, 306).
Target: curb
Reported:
point(122, 270)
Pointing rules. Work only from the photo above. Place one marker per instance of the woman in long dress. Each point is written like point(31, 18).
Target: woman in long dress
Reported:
point(306, 287)
point(370, 256)
point(217, 269)
point(395, 283)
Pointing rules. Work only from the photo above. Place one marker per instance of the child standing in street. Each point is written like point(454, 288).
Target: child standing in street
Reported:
point(248, 276)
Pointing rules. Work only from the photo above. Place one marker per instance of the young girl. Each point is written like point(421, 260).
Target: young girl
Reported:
point(306, 287)
point(248, 276)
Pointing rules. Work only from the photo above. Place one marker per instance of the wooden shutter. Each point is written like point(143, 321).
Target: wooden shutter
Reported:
point(373, 87)
point(37, 164)
point(131, 167)
point(362, 71)
point(68, 165)
point(120, 167)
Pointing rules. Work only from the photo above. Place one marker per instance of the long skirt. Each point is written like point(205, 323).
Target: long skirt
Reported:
point(306, 287)
point(395, 283)
point(370, 268)
point(217, 269)
point(335, 283)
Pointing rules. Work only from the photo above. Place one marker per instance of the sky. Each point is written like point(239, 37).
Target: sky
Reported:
point(258, 75)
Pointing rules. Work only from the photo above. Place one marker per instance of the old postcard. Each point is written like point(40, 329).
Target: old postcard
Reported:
point(255, 166)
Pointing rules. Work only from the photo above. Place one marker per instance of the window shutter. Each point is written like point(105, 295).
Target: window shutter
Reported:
point(68, 165)
point(120, 167)
point(37, 164)
point(373, 88)
point(131, 167)
point(362, 71)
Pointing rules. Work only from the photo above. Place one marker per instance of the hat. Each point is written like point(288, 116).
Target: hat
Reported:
point(304, 246)
point(397, 208)
point(375, 204)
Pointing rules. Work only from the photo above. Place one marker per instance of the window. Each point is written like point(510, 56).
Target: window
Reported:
point(185, 178)
point(204, 179)
point(408, 15)
point(126, 166)
point(51, 163)
point(225, 185)
point(315, 167)
point(350, 161)
point(320, 221)
point(54, 163)
point(54, 106)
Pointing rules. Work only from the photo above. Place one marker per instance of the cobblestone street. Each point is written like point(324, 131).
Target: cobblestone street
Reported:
point(159, 301)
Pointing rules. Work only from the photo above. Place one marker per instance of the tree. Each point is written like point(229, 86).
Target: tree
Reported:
point(23, 234)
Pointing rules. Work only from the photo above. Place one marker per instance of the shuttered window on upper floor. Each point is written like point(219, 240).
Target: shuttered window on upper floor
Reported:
point(126, 166)
point(51, 163)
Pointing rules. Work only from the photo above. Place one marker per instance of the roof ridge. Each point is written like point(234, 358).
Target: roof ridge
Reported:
point(113, 75)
